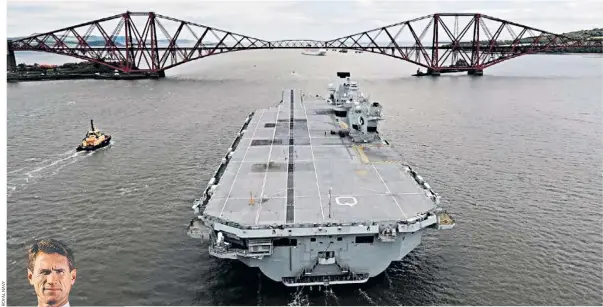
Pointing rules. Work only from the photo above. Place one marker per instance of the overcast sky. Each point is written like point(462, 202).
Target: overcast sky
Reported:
point(308, 19)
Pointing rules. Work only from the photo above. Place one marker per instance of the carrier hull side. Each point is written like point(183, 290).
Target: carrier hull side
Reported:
point(287, 264)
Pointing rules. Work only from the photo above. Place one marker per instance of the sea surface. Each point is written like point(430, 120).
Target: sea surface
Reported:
point(515, 155)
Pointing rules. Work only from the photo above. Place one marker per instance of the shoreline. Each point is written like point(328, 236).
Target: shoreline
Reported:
point(75, 71)
point(77, 76)
point(86, 70)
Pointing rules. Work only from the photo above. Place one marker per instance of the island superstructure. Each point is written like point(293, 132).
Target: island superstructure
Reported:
point(311, 194)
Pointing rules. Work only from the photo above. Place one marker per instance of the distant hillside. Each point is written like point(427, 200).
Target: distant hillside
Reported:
point(582, 34)
point(596, 33)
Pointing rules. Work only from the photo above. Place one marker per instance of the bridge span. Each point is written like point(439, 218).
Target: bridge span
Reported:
point(440, 43)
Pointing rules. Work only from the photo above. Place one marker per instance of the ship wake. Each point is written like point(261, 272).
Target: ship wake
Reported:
point(41, 169)
point(299, 298)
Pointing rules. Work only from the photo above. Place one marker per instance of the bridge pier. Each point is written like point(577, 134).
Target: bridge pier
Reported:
point(429, 72)
point(476, 72)
point(433, 73)
point(161, 73)
point(11, 61)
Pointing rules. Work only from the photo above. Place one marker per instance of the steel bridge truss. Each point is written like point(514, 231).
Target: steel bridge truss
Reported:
point(459, 42)
point(149, 42)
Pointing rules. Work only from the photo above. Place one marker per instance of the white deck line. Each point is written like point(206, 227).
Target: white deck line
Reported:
point(287, 160)
point(327, 159)
point(314, 163)
point(334, 195)
point(257, 214)
point(316, 146)
point(388, 191)
point(241, 165)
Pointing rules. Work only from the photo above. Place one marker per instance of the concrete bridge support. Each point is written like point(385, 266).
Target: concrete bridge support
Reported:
point(434, 73)
point(475, 72)
point(11, 62)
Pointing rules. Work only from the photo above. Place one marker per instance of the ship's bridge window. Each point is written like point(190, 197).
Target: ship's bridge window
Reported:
point(326, 255)
point(365, 239)
point(284, 242)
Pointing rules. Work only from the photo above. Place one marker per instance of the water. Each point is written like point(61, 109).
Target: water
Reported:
point(515, 154)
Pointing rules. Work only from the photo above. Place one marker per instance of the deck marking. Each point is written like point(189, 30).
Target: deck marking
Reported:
point(360, 151)
point(317, 146)
point(388, 191)
point(314, 162)
point(257, 214)
point(311, 196)
point(349, 201)
point(301, 160)
point(290, 203)
point(369, 145)
point(240, 166)
point(287, 198)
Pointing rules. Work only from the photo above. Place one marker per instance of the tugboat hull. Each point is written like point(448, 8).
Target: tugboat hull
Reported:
point(102, 144)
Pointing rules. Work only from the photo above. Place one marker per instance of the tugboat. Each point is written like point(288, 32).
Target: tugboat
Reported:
point(419, 73)
point(94, 140)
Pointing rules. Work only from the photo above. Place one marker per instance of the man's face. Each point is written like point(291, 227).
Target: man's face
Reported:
point(51, 278)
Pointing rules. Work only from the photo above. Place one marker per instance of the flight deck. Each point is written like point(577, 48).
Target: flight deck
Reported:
point(311, 194)
point(291, 166)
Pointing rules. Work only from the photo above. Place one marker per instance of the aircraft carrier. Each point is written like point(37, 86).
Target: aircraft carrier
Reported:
point(312, 194)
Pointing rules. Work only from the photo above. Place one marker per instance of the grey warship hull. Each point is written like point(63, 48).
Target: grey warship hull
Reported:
point(303, 202)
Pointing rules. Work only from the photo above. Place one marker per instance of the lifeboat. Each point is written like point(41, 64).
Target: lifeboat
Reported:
point(94, 140)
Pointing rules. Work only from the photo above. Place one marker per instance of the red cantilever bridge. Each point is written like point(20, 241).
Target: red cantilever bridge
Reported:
point(447, 42)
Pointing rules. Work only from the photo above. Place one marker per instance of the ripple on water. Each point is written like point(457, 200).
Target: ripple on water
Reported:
point(516, 160)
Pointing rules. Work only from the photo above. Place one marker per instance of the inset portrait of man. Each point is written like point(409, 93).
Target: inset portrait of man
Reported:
point(51, 271)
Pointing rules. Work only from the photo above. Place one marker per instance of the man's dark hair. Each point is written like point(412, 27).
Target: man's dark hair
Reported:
point(50, 246)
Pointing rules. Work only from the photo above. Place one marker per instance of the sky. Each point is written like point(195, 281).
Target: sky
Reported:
point(310, 19)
